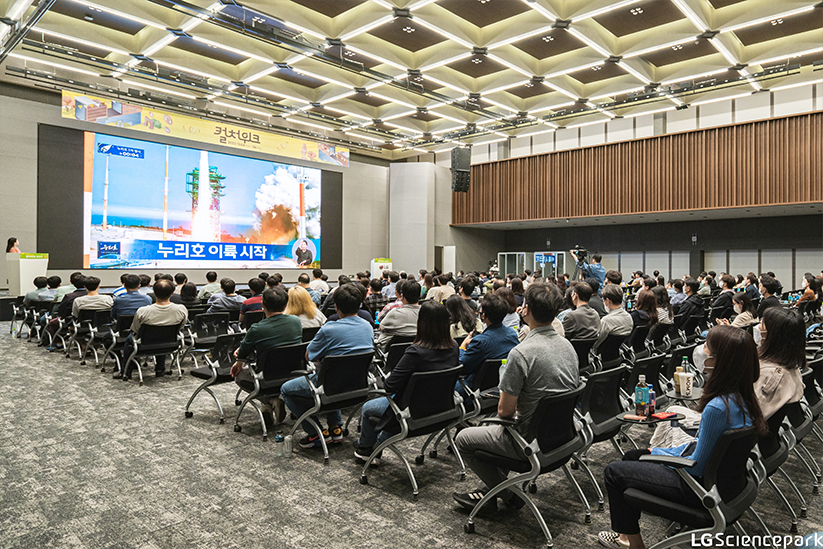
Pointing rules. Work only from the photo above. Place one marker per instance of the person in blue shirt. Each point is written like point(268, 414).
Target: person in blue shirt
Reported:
point(728, 402)
point(493, 343)
point(128, 302)
point(349, 335)
point(593, 269)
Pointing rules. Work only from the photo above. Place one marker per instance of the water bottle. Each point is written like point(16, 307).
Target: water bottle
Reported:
point(652, 401)
point(502, 368)
point(287, 446)
point(278, 445)
point(641, 397)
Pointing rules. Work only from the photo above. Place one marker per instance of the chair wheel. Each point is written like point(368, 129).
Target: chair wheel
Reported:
point(815, 489)
point(468, 528)
point(189, 414)
point(325, 461)
point(82, 363)
point(803, 513)
point(364, 479)
point(182, 372)
point(575, 466)
point(237, 403)
point(532, 488)
point(345, 432)
point(103, 369)
point(265, 438)
point(433, 454)
point(588, 519)
point(222, 421)
point(462, 476)
point(237, 428)
point(419, 459)
point(601, 506)
point(141, 383)
point(414, 497)
point(793, 529)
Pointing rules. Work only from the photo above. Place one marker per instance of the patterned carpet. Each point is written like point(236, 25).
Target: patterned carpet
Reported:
point(91, 462)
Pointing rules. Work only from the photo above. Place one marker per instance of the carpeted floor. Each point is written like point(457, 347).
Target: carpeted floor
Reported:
point(90, 462)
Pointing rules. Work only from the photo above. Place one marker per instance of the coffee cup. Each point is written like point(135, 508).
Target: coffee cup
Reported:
point(686, 384)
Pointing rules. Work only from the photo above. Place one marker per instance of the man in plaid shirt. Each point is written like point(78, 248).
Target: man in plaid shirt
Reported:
point(375, 300)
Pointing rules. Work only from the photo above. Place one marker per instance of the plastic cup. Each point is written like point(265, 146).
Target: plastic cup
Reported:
point(686, 383)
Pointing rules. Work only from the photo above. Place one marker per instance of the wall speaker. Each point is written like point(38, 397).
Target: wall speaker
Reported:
point(461, 166)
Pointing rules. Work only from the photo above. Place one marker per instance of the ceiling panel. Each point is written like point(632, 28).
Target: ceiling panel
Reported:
point(640, 16)
point(482, 13)
point(550, 43)
point(782, 26)
point(330, 8)
point(407, 34)
point(598, 73)
point(680, 52)
point(477, 66)
point(97, 16)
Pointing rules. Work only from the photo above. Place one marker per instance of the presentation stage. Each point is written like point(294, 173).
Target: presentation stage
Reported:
point(149, 205)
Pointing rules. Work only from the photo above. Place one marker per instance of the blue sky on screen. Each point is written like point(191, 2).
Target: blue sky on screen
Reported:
point(136, 185)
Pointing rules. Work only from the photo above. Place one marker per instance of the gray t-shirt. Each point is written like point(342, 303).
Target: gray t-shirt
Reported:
point(542, 364)
point(160, 315)
point(92, 303)
point(222, 303)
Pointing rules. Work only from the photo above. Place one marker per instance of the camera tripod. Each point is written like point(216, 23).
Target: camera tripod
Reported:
point(578, 269)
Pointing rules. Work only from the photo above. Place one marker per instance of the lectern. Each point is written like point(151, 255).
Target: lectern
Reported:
point(22, 269)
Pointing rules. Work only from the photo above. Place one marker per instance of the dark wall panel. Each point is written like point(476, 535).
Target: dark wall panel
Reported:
point(331, 220)
point(60, 196)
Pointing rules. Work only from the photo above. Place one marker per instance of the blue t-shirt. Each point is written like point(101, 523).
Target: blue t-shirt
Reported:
point(348, 336)
point(493, 343)
point(128, 303)
point(719, 416)
point(596, 270)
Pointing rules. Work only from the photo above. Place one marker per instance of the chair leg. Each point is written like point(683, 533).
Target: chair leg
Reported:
point(237, 398)
point(456, 453)
point(204, 387)
point(818, 433)
point(601, 504)
point(354, 413)
point(262, 419)
point(433, 451)
point(420, 458)
point(617, 447)
point(759, 521)
point(812, 461)
point(796, 491)
point(739, 529)
point(580, 494)
point(799, 455)
point(407, 465)
point(786, 504)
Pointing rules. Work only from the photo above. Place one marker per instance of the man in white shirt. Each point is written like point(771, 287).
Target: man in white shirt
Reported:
point(318, 284)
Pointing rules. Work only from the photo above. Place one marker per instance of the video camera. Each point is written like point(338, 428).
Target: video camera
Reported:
point(581, 253)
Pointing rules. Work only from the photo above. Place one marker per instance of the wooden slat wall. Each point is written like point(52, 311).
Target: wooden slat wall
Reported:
point(777, 161)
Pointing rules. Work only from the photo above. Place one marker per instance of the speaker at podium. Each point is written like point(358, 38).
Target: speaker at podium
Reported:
point(22, 268)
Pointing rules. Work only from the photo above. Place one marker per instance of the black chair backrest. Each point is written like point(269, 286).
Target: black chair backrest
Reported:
point(159, 339)
point(810, 390)
point(234, 315)
point(42, 306)
point(726, 467)
point(402, 339)
point(720, 312)
point(309, 333)
point(650, 367)
point(102, 320)
point(277, 363)
point(691, 324)
point(252, 317)
point(345, 373)
point(211, 324)
point(610, 348)
point(770, 444)
point(123, 325)
point(637, 339)
point(677, 358)
point(487, 375)
point(396, 352)
point(224, 347)
point(659, 333)
point(553, 424)
point(86, 315)
point(601, 398)
point(430, 393)
point(194, 311)
point(582, 348)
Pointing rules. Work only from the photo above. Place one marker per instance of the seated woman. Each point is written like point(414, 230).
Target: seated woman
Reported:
point(782, 356)
point(512, 319)
point(301, 306)
point(645, 309)
point(810, 288)
point(462, 320)
point(665, 315)
point(728, 402)
point(744, 309)
point(188, 295)
point(433, 349)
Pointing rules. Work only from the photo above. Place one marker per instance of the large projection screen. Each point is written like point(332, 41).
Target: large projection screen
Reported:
point(110, 202)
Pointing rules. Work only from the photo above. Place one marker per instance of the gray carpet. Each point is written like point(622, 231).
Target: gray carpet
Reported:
point(90, 462)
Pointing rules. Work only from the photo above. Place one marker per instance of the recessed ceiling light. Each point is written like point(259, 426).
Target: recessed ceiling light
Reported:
point(636, 11)
point(484, 1)
point(408, 29)
point(88, 18)
point(677, 47)
point(597, 67)
point(548, 39)
point(776, 22)
point(477, 61)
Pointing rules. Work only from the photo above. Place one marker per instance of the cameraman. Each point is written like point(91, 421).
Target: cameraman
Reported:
point(590, 270)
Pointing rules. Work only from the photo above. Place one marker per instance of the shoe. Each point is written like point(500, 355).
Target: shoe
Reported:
point(470, 500)
point(612, 540)
point(361, 454)
point(313, 441)
point(336, 434)
point(279, 409)
point(160, 373)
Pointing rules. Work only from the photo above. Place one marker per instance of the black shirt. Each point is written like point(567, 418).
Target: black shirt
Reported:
point(723, 301)
point(767, 303)
point(692, 306)
point(303, 258)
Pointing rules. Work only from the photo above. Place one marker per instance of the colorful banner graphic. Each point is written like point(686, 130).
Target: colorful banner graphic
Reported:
point(150, 120)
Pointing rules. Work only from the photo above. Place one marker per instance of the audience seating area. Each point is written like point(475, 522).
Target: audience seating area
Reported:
point(157, 459)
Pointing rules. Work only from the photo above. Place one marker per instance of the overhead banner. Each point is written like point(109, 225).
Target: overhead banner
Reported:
point(109, 112)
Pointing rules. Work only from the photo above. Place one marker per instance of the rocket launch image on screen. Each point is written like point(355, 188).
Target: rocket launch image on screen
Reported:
point(153, 205)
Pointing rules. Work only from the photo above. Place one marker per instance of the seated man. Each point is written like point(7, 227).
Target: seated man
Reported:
point(212, 287)
point(375, 300)
point(466, 290)
point(768, 287)
point(180, 280)
point(40, 283)
point(161, 313)
point(678, 297)
point(493, 343)
point(127, 303)
point(64, 308)
point(583, 322)
point(398, 291)
point(145, 284)
point(752, 285)
point(350, 335)
point(255, 302)
point(317, 283)
point(303, 282)
point(53, 283)
point(442, 291)
point(401, 321)
point(543, 364)
point(724, 300)
point(617, 321)
point(93, 300)
point(63, 291)
point(693, 304)
point(596, 302)
point(389, 289)
point(122, 289)
point(227, 300)
point(175, 298)
point(276, 330)
point(363, 312)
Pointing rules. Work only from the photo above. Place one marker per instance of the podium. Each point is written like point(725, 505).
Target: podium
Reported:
point(22, 269)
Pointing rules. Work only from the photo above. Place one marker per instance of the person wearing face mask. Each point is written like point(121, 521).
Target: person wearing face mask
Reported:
point(744, 309)
point(809, 289)
point(782, 356)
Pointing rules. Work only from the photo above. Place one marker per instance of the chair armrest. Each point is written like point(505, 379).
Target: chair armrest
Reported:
point(499, 421)
point(300, 372)
point(378, 392)
point(671, 461)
